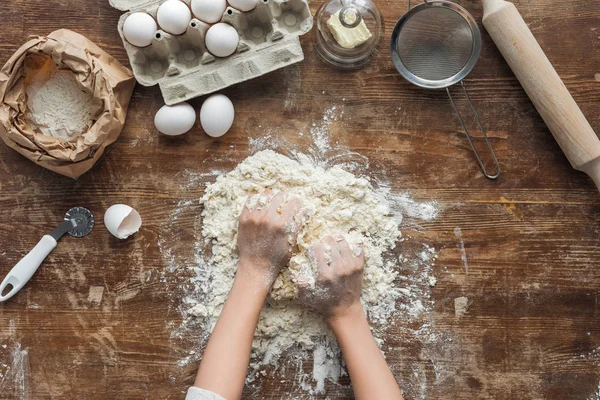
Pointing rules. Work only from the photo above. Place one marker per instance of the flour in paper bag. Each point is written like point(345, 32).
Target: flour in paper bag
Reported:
point(59, 107)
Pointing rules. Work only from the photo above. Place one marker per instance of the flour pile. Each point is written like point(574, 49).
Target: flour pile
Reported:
point(293, 347)
point(59, 107)
point(337, 202)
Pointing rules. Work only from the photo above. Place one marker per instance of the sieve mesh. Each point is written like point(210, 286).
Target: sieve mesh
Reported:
point(435, 43)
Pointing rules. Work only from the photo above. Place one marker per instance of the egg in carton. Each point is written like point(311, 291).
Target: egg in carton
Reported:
point(183, 67)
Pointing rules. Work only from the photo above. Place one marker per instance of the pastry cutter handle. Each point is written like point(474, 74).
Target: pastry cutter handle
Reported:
point(24, 270)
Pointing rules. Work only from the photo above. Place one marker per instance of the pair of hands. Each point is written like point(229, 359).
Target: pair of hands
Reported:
point(266, 236)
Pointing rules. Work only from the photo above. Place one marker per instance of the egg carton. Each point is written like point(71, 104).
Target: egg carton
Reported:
point(182, 66)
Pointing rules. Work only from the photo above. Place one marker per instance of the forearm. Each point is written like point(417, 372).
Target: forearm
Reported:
point(225, 362)
point(370, 375)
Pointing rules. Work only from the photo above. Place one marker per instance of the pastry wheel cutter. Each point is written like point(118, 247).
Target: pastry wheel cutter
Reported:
point(78, 223)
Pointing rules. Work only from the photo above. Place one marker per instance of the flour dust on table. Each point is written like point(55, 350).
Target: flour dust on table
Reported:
point(335, 201)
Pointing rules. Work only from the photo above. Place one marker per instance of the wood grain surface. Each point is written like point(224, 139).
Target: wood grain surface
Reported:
point(531, 239)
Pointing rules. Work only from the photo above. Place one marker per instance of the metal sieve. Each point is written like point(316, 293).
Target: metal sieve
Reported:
point(435, 45)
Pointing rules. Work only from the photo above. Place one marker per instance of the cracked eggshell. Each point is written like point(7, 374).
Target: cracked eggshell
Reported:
point(122, 221)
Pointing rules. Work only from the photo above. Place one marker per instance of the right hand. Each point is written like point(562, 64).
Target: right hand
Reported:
point(266, 236)
point(338, 281)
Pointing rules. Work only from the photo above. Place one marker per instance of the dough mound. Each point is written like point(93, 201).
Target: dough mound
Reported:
point(335, 202)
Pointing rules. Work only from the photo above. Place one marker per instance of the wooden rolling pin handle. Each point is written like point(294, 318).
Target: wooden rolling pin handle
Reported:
point(593, 170)
point(543, 86)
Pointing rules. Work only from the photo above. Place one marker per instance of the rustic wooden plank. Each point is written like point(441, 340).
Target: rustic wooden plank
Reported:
point(531, 240)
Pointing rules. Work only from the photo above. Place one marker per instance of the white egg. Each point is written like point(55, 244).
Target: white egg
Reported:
point(243, 5)
point(174, 16)
point(222, 40)
point(175, 120)
point(216, 115)
point(122, 221)
point(210, 11)
point(139, 29)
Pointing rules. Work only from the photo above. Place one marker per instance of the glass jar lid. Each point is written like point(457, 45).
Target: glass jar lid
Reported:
point(348, 32)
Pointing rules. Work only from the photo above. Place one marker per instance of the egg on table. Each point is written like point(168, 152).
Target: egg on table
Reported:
point(174, 16)
point(139, 29)
point(175, 120)
point(216, 115)
point(222, 40)
point(243, 5)
point(209, 11)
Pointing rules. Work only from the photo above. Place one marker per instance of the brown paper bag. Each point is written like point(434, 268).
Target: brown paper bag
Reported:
point(98, 72)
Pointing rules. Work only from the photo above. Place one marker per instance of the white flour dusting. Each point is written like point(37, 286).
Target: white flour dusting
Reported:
point(335, 202)
point(461, 305)
point(289, 336)
point(59, 107)
point(14, 366)
point(463, 252)
point(591, 357)
point(596, 395)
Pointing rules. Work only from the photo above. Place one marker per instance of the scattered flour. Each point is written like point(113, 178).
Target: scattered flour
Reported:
point(95, 295)
point(461, 304)
point(14, 372)
point(334, 202)
point(463, 252)
point(398, 281)
point(59, 107)
point(432, 281)
point(596, 395)
point(591, 359)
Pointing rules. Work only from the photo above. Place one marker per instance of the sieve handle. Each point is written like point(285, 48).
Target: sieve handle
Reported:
point(485, 136)
point(543, 85)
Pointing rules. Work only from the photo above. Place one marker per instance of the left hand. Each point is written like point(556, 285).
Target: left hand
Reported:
point(338, 283)
point(266, 237)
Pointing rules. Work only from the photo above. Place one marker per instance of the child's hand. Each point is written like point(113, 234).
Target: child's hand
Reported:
point(338, 283)
point(266, 236)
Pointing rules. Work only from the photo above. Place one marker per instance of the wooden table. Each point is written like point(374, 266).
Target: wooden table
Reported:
point(531, 263)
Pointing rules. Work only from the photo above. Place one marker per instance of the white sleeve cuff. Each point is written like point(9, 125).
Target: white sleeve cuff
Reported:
point(195, 393)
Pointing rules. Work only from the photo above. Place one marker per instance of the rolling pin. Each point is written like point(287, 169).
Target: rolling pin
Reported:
point(543, 86)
